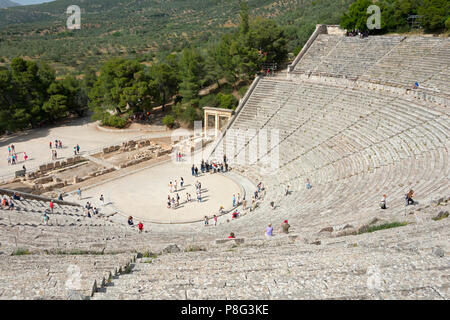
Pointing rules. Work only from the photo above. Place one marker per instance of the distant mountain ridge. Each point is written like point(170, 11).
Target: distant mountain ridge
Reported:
point(8, 4)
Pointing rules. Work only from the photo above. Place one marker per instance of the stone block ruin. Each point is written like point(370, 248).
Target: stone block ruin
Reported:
point(59, 174)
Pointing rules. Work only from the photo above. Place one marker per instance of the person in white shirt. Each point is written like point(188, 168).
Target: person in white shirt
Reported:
point(383, 202)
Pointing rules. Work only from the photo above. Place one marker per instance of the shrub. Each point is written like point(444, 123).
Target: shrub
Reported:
point(169, 121)
point(20, 252)
point(227, 101)
point(209, 101)
point(384, 226)
point(194, 248)
point(114, 121)
point(242, 91)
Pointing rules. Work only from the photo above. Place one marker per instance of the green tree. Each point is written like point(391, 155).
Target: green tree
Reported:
point(165, 79)
point(122, 87)
point(357, 16)
point(434, 14)
point(244, 25)
point(191, 73)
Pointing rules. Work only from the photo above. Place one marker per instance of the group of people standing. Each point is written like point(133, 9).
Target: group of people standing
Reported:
point(56, 145)
point(210, 167)
point(13, 156)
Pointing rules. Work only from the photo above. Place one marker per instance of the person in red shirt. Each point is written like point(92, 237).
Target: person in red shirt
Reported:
point(231, 236)
point(140, 226)
point(51, 205)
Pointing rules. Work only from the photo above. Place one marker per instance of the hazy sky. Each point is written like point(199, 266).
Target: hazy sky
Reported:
point(25, 2)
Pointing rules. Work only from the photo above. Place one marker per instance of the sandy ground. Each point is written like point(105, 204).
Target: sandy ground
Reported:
point(80, 131)
point(143, 195)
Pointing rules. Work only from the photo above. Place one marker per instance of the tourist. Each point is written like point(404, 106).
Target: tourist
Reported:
point(25, 157)
point(60, 197)
point(170, 186)
point(285, 227)
point(50, 144)
point(235, 215)
point(173, 202)
point(196, 171)
point(175, 185)
point(253, 207)
point(79, 193)
point(45, 218)
point(244, 204)
point(383, 202)
point(11, 205)
point(181, 182)
point(140, 227)
point(178, 199)
point(231, 236)
point(78, 149)
point(95, 211)
point(215, 220)
point(221, 210)
point(272, 204)
point(102, 200)
point(287, 191)
point(16, 196)
point(269, 230)
point(193, 170)
point(409, 197)
point(234, 200)
point(130, 221)
point(308, 184)
point(238, 198)
point(206, 221)
point(51, 205)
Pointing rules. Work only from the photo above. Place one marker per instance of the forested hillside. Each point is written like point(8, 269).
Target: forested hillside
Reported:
point(143, 29)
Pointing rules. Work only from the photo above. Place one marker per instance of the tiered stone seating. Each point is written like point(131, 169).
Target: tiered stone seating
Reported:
point(382, 265)
point(391, 60)
point(353, 143)
point(57, 276)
